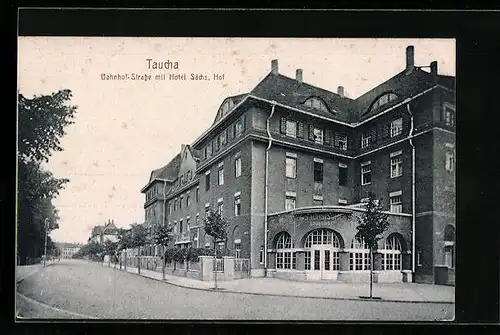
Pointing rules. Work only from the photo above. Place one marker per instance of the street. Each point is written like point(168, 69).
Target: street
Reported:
point(75, 289)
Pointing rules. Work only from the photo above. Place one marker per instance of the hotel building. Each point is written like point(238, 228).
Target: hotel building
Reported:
point(290, 165)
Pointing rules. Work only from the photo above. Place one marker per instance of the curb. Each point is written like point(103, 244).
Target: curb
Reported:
point(293, 296)
point(32, 273)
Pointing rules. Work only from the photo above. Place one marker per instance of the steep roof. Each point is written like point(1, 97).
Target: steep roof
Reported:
point(292, 93)
point(235, 98)
point(405, 84)
point(168, 171)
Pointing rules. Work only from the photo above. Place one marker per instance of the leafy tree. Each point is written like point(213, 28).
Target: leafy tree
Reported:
point(162, 235)
point(41, 123)
point(139, 238)
point(372, 224)
point(92, 250)
point(216, 226)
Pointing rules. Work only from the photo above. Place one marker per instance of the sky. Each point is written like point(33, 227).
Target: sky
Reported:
point(126, 128)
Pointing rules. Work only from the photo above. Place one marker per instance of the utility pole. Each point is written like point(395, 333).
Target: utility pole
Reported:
point(45, 247)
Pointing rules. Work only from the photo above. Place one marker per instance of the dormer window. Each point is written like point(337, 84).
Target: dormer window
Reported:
point(226, 107)
point(384, 99)
point(316, 103)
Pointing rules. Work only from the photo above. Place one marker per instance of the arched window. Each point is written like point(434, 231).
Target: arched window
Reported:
point(285, 257)
point(316, 103)
point(226, 107)
point(324, 241)
point(391, 259)
point(382, 100)
point(322, 237)
point(449, 246)
point(359, 255)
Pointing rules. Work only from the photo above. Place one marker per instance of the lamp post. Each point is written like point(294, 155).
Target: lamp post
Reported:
point(45, 247)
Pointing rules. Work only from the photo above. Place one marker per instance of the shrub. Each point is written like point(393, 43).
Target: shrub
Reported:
point(169, 255)
point(179, 255)
point(193, 253)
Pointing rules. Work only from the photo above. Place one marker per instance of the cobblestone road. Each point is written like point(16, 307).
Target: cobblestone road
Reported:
point(96, 291)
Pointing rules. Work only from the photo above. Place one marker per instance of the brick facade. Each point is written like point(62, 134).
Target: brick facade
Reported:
point(412, 101)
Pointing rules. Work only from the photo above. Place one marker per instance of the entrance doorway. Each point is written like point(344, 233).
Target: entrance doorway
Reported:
point(322, 260)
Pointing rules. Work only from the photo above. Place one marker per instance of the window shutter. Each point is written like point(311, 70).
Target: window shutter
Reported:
point(328, 136)
point(386, 130)
point(243, 126)
point(311, 132)
point(283, 125)
point(217, 143)
point(300, 130)
point(373, 135)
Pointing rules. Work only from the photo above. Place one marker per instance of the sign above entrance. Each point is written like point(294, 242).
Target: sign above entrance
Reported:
point(320, 217)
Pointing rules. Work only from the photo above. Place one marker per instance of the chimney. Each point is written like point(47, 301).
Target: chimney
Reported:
point(298, 75)
point(274, 66)
point(434, 68)
point(340, 91)
point(410, 57)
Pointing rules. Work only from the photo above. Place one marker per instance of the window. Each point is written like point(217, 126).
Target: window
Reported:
point(290, 202)
point(384, 99)
point(449, 116)
point(207, 209)
point(419, 258)
point(396, 165)
point(187, 224)
point(180, 227)
point(226, 107)
point(396, 202)
point(291, 166)
point(261, 255)
point(365, 139)
point(391, 259)
point(284, 255)
point(238, 127)
point(237, 206)
point(221, 174)
point(237, 250)
point(175, 204)
point(316, 103)
point(449, 161)
point(307, 260)
point(223, 138)
point(209, 149)
point(359, 256)
point(396, 127)
point(449, 246)
point(341, 141)
point(318, 170)
point(342, 174)
point(220, 207)
point(197, 194)
point(187, 200)
point(291, 128)
point(366, 173)
point(207, 180)
point(180, 202)
point(237, 166)
point(318, 135)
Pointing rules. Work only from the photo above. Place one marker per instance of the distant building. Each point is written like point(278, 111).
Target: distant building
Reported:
point(107, 232)
point(68, 249)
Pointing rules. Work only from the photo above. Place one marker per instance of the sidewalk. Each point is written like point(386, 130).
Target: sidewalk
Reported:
point(397, 292)
point(25, 271)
